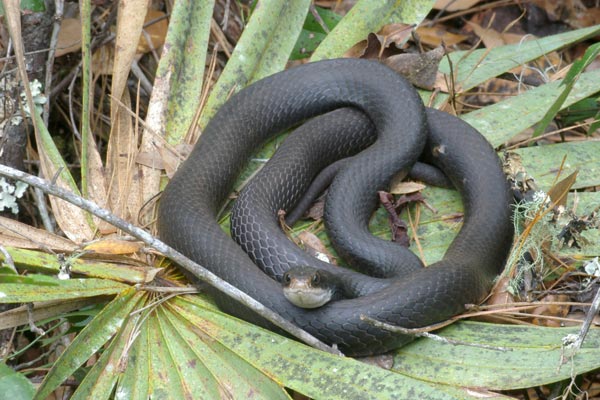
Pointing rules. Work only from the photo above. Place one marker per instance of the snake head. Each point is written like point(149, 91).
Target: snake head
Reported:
point(308, 287)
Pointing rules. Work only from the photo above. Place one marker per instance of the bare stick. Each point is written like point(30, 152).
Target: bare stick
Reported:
point(588, 321)
point(184, 262)
point(420, 333)
point(8, 260)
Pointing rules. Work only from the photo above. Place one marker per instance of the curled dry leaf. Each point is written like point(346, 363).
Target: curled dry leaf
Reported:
point(492, 38)
point(419, 69)
point(169, 159)
point(315, 247)
point(379, 45)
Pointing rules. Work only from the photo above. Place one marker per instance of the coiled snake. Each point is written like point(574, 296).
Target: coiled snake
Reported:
point(191, 201)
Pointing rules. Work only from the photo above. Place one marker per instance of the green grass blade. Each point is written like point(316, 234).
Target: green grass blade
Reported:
point(569, 82)
point(503, 120)
point(311, 372)
point(264, 48)
point(475, 67)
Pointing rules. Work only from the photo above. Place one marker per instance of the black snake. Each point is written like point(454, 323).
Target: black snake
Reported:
point(191, 201)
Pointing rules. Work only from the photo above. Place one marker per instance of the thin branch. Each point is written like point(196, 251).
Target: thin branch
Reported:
point(184, 262)
point(420, 333)
point(8, 260)
point(592, 312)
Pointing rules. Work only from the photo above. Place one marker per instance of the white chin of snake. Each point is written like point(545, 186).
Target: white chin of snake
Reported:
point(307, 297)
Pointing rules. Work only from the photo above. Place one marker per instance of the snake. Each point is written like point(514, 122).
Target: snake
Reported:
point(405, 129)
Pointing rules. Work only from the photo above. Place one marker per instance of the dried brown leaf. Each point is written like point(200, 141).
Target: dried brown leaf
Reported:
point(434, 36)
point(154, 35)
point(17, 234)
point(419, 69)
point(454, 5)
point(69, 37)
point(315, 247)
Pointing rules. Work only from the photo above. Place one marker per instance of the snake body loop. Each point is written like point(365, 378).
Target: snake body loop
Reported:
point(190, 203)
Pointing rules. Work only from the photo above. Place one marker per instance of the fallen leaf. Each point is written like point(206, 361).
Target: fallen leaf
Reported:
point(69, 37)
point(419, 69)
point(153, 35)
point(492, 38)
point(406, 187)
point(314, 246)
point(552, 310)
point(17, 234)
point(434, 36)
point(558, 192)
point(454, 5)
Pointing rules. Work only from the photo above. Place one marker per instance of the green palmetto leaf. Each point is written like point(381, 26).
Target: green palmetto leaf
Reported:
point(38, 261)
point(14, 385)
point(91, 339)
point(532, 356)
point(184, 64)
point(185, 348)
point(568, 84)
point(263, 50)
point(44, 288)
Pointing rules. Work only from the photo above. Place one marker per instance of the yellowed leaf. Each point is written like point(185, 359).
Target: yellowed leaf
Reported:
point(492, 38)
point(406, 187)
point(113, 246)
point(435, 35)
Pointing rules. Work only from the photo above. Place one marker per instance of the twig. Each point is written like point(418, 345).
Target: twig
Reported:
point(317, 16)
point(184, 262)
point(40, 202)
point(592, 312)
point(32, 326)
point(420, 333)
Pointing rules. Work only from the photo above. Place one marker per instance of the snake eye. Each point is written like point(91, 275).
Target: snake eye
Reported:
point(316, 278)
point(287, 278)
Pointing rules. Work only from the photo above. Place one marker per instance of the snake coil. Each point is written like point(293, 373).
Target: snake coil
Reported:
point(189, 205)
